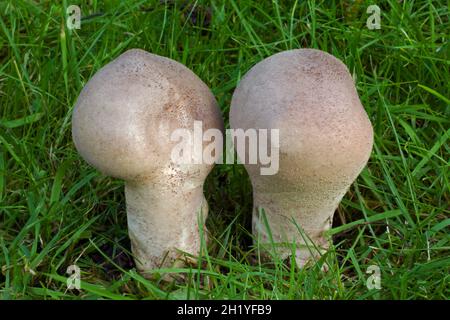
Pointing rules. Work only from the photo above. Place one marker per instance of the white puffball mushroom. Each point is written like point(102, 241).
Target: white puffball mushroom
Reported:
point(122, 124)
point(325, 140)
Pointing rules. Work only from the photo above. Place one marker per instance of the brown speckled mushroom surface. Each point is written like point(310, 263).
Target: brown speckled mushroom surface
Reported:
point(122, 123)
point(325, 141)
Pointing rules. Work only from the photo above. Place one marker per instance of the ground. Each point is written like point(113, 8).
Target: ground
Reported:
point(57, 211)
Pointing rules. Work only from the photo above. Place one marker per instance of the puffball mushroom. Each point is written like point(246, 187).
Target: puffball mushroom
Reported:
point(122, 124)
point(325, 140)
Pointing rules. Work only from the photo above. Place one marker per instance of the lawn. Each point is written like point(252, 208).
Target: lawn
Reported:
point(57, 211)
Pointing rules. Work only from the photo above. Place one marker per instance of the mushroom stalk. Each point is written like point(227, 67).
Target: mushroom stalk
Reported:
point(299, 217)
point(156, 244)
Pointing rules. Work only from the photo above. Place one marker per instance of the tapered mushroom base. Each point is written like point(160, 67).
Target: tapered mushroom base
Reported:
point(308, 245)
point(283, 226)
point(164, 224)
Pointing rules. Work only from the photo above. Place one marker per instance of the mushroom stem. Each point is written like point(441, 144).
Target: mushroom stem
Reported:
point(293, 217)
point(155, 244)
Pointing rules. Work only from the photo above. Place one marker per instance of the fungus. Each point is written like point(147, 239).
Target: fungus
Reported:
point(325, 140)
point(122, 124)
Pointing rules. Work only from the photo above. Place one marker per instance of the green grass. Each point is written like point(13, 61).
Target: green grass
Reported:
point(56, 210)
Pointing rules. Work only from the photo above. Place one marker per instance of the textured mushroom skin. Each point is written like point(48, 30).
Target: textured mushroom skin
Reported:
point(325, 141)
point(122, 123)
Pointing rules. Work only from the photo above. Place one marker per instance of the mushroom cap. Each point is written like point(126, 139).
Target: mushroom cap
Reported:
point(325, 134)
point(125, 114)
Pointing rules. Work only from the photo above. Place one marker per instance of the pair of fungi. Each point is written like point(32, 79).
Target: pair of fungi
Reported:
point(125, 115)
